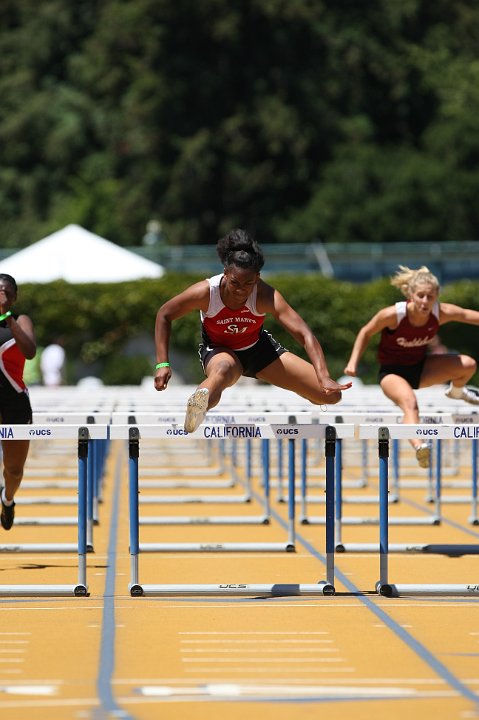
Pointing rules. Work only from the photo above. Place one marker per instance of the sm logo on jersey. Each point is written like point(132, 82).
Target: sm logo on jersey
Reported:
point(235, 330)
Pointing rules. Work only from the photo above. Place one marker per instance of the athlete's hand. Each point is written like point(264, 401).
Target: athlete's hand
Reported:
point(350, 370)
point(330, 386)
point(162, 378)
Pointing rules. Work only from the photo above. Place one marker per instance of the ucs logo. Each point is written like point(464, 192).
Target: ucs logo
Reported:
point(427, 431)
point(38, 432)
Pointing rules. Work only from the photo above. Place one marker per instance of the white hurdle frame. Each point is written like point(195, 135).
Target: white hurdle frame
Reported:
point(83, 434)
point(242, 417)
point(384, 435)
point(134, 434)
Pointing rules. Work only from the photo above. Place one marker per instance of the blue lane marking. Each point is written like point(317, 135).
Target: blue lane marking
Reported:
point(406, 637)
point(445, 521)
point(107, 646)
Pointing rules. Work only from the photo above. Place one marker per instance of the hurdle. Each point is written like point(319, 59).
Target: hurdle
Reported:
point(96, 458)
point(288, 546)
point(384, 435)
point(393, 497)
point(242, 417)
point(83, 435)
point(135, 434)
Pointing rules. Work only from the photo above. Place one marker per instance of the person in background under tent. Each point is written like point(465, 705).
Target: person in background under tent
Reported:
point(232, 309)
point(17, 343)
point(407, 328)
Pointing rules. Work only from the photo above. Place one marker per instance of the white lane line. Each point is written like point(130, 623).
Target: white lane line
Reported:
point(12, 660)
point(257, 650)
point(28, 689)
point(258, 671)
point(12, 651)
point(43, 609)
point(39, 704)
point(262, 660)
point(303, 641)
point(232, 690)
point(254, 632)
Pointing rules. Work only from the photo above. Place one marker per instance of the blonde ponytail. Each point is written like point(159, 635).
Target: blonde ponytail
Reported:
point(406, 280)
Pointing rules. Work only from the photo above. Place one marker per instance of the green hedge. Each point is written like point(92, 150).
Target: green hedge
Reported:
point(97, 320)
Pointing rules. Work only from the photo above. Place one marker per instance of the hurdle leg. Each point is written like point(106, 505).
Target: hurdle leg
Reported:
point(383, 453)
point(280, 470)
point(83, 442)
point(291, 495)
point(304, 490)
point(265, 450)
point(330, 452)
point(89, 495)
point(338, 522)
point(473, 519)
point(133, 454)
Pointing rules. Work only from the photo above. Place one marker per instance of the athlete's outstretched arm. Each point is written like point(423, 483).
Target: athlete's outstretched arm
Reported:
point(304, 336)
point(384, 318)
point(196, 297)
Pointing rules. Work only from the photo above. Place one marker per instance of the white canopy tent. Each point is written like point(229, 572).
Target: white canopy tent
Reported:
point(77, 256)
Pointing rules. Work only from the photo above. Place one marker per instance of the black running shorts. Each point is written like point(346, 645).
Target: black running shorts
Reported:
point(411, 373)
point(15, 408)
point(265, 351)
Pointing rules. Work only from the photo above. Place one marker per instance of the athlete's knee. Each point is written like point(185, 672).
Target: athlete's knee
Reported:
point(13, 471)
point(226, 372)
point(409, 405)
point(469, 363)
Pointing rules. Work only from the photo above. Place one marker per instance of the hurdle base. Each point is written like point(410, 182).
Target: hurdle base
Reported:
point(233, 589)
point(386, 590)
point(40, 548)
point(352, 520)
point(205, 520)
point(411, 548)
point(44, 590)
point(135, 590)
point(217, 547)
point(399, 590)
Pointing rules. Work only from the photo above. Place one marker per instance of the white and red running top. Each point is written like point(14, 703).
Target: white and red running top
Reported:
point(234, 329)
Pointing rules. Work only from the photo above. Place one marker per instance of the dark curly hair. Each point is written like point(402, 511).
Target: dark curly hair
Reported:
point(240, 249)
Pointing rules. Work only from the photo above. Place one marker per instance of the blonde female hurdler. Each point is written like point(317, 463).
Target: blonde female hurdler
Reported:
point(406, 330)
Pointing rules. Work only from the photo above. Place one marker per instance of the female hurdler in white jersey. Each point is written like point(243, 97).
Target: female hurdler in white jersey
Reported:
point(232, 308)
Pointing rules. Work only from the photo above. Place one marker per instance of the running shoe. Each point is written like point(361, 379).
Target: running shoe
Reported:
point(196, 409)
point(468, 393)
point(423, 455)
point(7, 516)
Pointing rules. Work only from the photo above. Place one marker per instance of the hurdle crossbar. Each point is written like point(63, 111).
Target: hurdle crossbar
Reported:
point(134, 434)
